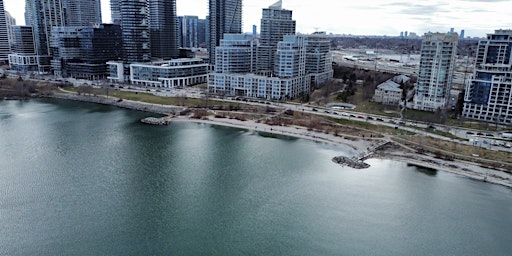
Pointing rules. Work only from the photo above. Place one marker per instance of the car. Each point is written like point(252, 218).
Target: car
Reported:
point(335, 113)
point(431, 127)
point(380, 119)
point(369, 118)
point(352, 116)
point(327, 112)
point(314, 109)
point(480, 134)
point(360, 117)
point(470, 133)
point(489, 135)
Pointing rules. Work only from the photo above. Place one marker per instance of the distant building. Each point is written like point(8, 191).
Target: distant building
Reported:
point(115, 11)
point(388, 93)
point(82, 13)
point(438, 52)
point(24, 53)
point(10, 21)
point(488, 93)
point(5, 49)
point(134, 21)
point(82, 52)
point(202, 33)
point(169, 74)
point(276, 22)
point(225, 16)
point(189, 32)
point(42, 16)
point(162, 29)
point(180, 32)
point(318, 58)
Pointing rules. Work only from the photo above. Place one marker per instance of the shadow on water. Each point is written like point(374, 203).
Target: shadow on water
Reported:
point(425, 170)
point(275, 136)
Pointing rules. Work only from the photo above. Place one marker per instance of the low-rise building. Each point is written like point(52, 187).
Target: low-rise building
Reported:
point(169, 74)
point(388, 93)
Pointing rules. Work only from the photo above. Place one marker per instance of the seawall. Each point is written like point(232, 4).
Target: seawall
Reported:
point(135, 105)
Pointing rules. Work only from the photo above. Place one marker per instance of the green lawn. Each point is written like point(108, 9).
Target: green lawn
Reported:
point(150, 98)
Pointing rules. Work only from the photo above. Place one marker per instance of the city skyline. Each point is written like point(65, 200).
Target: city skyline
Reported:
point(364, 17)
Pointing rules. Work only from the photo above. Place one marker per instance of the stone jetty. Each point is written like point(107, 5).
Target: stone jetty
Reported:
point(357, 161)
point(350, 162)
point(157, 120)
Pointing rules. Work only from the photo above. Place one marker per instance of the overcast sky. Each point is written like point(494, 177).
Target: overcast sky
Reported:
point(361, 17)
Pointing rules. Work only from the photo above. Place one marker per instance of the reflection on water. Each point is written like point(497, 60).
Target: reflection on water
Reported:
point(425, 170)
point(81, 182)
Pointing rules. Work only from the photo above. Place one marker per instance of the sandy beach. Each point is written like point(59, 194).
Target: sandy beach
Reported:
point(361, 145)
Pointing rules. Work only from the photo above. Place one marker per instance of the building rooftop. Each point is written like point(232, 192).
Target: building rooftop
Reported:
point(389, 86)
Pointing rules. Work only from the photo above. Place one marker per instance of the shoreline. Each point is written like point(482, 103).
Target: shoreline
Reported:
point(358, 145)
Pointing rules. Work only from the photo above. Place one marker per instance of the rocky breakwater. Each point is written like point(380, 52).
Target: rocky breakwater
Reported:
point(350, 162)
point(157, 120)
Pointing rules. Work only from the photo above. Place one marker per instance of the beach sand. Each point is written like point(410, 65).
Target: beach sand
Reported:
point(361, 145)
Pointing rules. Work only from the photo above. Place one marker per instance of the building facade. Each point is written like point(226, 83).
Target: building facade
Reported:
point(318, 58)
point(163, 29)
point(388, 93)
point(189, 32)
point(82, 52)
point(236, 54)
point(202, 32)
point(10, 21)
point(276, 22)
point(438, 52)
point(43, 15)
point(24, 53)
point(225, 16)
point(488, 94)
point(134, 19)
point(5, 49)
point(115, 11)
point(82, 12)
point(177, 73)
point(236, 63)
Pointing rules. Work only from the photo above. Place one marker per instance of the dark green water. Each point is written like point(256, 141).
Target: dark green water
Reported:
point(85, 179)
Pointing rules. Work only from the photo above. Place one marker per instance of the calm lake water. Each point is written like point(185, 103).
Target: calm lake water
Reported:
point(85, 179)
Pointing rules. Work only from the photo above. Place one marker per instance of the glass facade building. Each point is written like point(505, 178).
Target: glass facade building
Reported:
point(225, 16)
point(134, 17)
point(488, 95)
point(82, 52)
point(163, 29)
